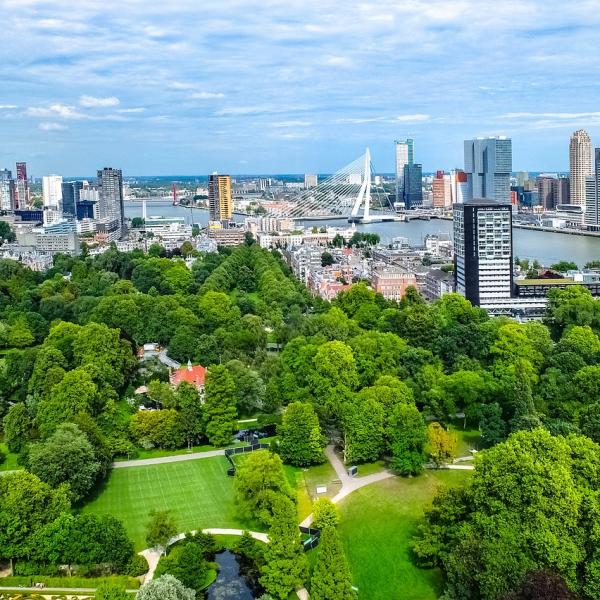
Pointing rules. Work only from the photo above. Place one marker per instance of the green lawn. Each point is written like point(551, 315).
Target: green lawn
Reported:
point(10, 462)
point(159, 452)
point(377, 524)
point(468, 439)
point(198, 493)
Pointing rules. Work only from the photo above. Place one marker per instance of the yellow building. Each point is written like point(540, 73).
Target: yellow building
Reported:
point(220, 205)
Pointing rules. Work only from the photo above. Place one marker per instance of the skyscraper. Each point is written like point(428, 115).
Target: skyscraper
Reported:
point(413, 186)
point(580, 164)
point(561, 191)
point(70, 196)
point(483, 250)
point(459, 186)
point(219, 197)
point(545, 189)
point(22, 193)
point(7, 190)
point(310, 181)
point(592, 204)
point(405, 155)
point(488, 164)
point(441, 190)
point(110, 196)
point(52, 191)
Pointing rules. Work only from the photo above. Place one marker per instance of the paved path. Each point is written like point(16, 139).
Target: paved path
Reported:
point(73, 592)
point(152, 555)
point(143, 462)
point(169, 362)
point(349, 484)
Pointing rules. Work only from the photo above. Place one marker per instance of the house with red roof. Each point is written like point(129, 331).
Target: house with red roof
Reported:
point(192, 374)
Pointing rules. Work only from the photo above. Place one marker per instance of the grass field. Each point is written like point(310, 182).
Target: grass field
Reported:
point(10, 462)
point(197, 492)
point(377, 524)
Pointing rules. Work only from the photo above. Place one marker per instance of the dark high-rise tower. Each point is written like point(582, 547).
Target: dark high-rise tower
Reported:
point(110, 193)
point(22, 188)
point(483, 251)
point(70, 197)
point(413, 186)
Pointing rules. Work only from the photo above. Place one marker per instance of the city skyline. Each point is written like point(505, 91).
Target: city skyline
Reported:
point(287, 87)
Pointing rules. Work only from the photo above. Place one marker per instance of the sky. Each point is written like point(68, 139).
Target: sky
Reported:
point(292, 86)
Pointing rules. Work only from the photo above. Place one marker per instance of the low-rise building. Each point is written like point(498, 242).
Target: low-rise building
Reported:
point(194, 374)
point(435, 283)
point(391, 282)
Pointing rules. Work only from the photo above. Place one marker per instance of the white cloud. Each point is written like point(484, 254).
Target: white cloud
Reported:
point(416, 118)
point(51, 127)
point(8, 106)
point(55, 110)
point(137, 109)
point(282, 124)
point(93, 102)
point(550, 115)
point(206, 95)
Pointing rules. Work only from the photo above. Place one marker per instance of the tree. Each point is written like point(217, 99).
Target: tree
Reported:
point(190, 411)
point(75, 393)
point(326, 259)
point(166, 587)
point(19, 335)
point(17, 427)
point(259, 480)
point(363, 432)
point(219, 406)
point(542, 585)
point(530, 505)
point(408, 435)
point(249, 387)
point(187, 248)
point(111, 591)
point(589, 421)
point(285, 567)
point(325, 514)
point(301, 443)
point(441, 444)
point(160, 529)
point(491, 424)
point(564, 266)
point(161, 428)
point(26, 504)
point(66, 457)
point(6, 233)
point(187, 564)
point(331, 578)
point(161, 393)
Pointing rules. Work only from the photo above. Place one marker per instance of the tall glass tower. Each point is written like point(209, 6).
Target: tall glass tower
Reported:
point(488, 165)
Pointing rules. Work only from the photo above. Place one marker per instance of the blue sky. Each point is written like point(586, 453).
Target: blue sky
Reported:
point(193, 86)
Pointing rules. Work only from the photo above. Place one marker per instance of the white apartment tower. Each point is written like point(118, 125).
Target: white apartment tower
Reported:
point(580, 163)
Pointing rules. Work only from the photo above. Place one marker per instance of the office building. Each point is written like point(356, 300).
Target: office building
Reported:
point(110, 197)
point(545, 190)
point(592, 196)
point(522, 177)
point(310, 181)
point(413, 186)
point(441, 190)
point(483, 251)
point(71, 191)
point(22, 199)
point(561, 191)
point(220, 205)
point(488, 165)
point(7, 190)
point(580, 164)
point(52, 191)
point(405, 155)
point(459, 186)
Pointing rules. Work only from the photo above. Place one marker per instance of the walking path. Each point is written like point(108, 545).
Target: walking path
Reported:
point(152, 555)
point(143, 462)
point(349, 484)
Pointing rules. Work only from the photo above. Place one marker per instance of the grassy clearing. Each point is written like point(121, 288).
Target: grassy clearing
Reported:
point(10, 462)
point(377, 524)
point(198, 493)
point(159, 453)
point(468, 439)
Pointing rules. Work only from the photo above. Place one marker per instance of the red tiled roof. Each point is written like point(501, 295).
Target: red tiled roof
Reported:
point(195, 375)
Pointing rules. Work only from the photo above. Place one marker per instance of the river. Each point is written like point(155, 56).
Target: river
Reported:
point(546, 247)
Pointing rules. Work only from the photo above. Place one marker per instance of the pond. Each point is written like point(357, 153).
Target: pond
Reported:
point(233, 581)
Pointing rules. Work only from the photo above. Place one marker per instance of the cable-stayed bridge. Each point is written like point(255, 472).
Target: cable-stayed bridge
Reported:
point(348, 193)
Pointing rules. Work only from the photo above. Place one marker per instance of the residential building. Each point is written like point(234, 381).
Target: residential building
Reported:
point(310, 181)
point(7, 190)
point(391, 282)
point(405, 155)
point(22, 199)
point(195, 375)
point(231, 236)
point(483, 251)
point(220, 205)
point(70, 197)
point(561, 191)
point(111, 198)
point(435, 283)
point(580, 163)
point(488, 165)
point(441, 190)
point(413, 186)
